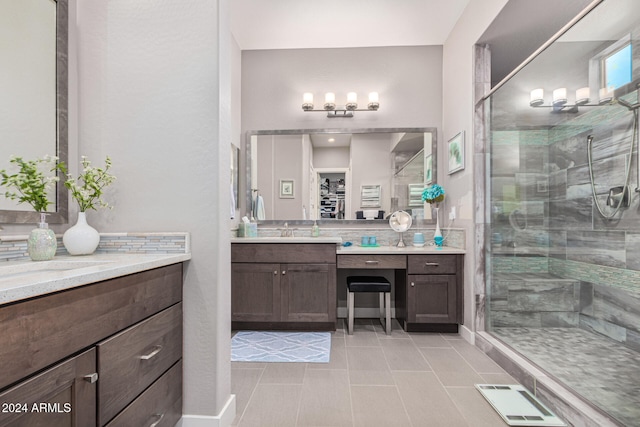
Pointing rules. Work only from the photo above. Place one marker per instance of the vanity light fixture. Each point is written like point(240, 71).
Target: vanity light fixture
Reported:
point(333, 111)
point(559, 103)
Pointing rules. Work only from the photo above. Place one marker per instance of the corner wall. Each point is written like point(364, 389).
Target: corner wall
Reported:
point(154, 94)
point(458, 115)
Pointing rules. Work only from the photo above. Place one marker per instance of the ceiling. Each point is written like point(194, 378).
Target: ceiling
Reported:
point(518, 30)
point(296, 24)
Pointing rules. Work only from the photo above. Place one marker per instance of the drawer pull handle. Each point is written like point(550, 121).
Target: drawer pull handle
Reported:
point(151, 355)
point(372, 262)
point(156, 422)
point(431, 264)
point(91, 378)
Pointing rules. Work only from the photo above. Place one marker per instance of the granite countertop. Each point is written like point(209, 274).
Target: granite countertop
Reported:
point(26, 279)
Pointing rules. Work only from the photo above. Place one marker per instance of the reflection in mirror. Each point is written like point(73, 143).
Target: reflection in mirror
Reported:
point(336, 172)
point(33, 94)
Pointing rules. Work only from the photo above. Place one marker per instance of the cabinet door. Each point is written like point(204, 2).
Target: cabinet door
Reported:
point(308, 292)
point(64, 395)
point(432, 299)
point(255, 292)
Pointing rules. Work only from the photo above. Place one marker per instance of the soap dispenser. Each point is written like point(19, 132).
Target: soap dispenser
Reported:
point(315, 230)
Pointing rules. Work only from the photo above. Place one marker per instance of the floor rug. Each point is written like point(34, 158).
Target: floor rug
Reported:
point(255, 346)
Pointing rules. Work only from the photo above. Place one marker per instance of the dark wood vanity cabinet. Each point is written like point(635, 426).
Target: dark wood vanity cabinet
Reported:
point(283, 286)
point(93, 352)
point(431, 298)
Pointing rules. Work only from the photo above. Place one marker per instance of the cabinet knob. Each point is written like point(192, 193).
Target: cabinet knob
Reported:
point(159, 418)
point(413, 283)
point(152, 354)
point(284, 272)
point(431, 264)
point(91, 378)
point(275, 272)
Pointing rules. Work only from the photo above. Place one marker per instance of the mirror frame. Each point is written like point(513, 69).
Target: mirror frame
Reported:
point(60, 216)
point(327, 222)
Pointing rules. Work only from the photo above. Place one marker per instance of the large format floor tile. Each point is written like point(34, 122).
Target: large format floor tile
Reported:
point(373, 379)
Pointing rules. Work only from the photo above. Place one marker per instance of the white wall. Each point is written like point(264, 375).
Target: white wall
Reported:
point(154, 94)
point(408, 79)
point(458, 110)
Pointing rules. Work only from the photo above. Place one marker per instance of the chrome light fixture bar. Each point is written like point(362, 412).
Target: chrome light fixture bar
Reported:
point(333, 111)
point(559, 101)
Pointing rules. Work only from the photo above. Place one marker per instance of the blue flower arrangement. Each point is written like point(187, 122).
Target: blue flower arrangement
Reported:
point(433, 194)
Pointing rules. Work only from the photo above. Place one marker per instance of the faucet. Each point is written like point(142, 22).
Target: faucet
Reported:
point(287, 232)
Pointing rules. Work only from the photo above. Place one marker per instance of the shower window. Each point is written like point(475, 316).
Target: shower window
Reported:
point(562, 276)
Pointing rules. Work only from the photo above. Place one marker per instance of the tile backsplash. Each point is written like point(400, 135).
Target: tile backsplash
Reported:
point(14, 248)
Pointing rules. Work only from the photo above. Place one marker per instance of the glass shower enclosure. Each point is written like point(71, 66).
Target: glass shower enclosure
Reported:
point(563, 235)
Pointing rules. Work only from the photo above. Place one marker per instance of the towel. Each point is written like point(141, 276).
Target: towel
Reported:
point(260, 215)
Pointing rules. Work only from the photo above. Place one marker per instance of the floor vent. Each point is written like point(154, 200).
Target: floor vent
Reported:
point(517, 406)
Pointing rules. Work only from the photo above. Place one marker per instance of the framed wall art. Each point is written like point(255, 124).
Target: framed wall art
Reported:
point(456, 153)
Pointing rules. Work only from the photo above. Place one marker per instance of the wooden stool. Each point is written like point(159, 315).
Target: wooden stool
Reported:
point(370, 284)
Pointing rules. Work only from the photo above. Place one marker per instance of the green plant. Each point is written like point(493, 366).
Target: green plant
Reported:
point(30, 184)
point(87, 188)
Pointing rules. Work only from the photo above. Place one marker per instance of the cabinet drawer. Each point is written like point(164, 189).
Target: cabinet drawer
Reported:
point(372, 261)
point(38, 332)
point(159, 406)
point(432, 264)
point(284, 252)
point(133, 359)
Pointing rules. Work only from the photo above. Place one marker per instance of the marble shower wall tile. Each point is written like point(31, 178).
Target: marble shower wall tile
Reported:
point(597, 247)
point(632, 247)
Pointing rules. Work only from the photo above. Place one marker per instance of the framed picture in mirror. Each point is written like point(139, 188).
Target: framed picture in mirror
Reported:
point(370, 196)
point(286, 189)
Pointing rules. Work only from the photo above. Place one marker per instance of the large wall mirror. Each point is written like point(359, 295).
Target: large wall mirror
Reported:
point(33, 94)
point(338, 175)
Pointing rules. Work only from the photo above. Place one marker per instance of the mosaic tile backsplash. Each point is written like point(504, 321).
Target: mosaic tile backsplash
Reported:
point(14, 248)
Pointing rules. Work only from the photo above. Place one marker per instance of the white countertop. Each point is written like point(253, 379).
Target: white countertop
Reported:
point(327, 239)
point(407, 250)
point(26, 279)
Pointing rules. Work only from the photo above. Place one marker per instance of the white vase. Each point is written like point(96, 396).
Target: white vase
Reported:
point(81, 239)
point(437, 235)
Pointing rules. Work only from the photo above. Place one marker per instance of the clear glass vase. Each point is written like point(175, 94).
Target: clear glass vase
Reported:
point(42, 243)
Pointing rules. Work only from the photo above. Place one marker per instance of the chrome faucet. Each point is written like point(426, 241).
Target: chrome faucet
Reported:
point(287, 232)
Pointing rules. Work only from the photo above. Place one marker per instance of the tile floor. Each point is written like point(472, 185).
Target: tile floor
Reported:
point(405, 379)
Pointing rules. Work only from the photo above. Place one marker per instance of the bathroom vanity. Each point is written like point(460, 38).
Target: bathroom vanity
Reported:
point(276, 285)
point(290, 283)
point(98, 343)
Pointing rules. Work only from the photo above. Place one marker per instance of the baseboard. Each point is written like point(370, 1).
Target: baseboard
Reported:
point(223, 419)
point(467, 334)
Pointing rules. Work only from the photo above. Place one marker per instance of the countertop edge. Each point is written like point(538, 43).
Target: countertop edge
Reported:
point(117, 266)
